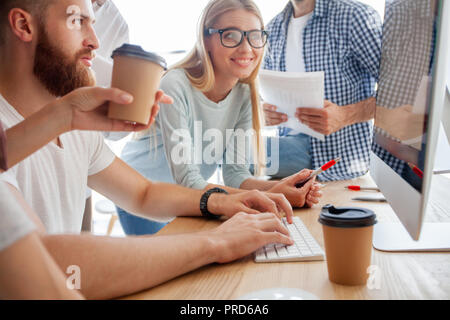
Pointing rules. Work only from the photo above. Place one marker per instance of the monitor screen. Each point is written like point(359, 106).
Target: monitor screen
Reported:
point(404, 86)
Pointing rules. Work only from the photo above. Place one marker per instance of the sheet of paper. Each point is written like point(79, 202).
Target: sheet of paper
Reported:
point(291, 90)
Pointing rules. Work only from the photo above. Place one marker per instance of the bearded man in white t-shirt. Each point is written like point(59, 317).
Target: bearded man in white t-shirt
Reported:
point(48, 58)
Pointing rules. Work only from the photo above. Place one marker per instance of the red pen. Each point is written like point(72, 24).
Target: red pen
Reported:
point(315, 173)
point(416, 170)
point(359, 188)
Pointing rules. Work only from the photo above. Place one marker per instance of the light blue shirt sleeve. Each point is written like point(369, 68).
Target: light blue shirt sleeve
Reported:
point(175, 132)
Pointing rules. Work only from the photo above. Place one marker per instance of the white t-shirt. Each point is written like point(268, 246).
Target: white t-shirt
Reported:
point(295, 61)
point(14, 222)
point(53, 180)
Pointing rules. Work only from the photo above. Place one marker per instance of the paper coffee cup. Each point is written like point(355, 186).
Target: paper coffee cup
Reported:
point(139, 73)
point(347, 235)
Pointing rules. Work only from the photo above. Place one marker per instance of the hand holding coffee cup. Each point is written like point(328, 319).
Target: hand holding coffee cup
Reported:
point(160, 97)
point(138, 72)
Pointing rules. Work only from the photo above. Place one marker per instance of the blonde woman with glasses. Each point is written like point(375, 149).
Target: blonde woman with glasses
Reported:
point(215, 99)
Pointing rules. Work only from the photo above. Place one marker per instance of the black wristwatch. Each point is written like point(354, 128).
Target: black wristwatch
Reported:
point(204, 203)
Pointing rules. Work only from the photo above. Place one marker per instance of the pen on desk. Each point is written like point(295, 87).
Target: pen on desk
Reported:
point(370, 199)
point(359, 188)
point(315, 173)
point(416, 170)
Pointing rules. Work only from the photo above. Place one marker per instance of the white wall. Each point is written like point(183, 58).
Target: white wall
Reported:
point(167, 25)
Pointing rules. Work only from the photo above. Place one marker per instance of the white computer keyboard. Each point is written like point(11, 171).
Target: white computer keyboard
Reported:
point(305, 247)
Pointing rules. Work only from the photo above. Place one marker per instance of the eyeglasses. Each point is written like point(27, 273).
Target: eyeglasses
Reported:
point(233, 37)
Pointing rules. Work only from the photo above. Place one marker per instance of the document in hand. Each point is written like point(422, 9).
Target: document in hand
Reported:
point(291, 90)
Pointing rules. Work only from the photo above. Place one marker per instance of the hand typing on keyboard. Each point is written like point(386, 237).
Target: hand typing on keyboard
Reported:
point(305, 247)
point(243, 233)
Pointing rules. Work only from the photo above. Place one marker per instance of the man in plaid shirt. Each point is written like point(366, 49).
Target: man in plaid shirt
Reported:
point(343, 39)
point(409, 36)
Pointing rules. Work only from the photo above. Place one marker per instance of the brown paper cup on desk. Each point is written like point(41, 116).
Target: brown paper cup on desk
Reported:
point(347, 235)
point(139, 73)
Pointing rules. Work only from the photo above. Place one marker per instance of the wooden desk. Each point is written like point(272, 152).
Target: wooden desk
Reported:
point(403, 275)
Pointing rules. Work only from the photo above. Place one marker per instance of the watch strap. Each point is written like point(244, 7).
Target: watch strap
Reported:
point(204, 203)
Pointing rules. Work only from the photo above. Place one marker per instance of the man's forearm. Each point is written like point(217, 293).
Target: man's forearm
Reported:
point(256, 184)
point(163, 200)
point(27, 271)
point(180, 201)
point(114, 267)
point(230, 190)
point(132, 192)
point(360, 112)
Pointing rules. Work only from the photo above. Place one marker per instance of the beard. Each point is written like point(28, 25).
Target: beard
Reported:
point(59, 73)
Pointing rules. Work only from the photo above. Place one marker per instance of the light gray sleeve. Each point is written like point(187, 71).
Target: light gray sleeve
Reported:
point(237, 154)
point(178, 142)
point(14, 222)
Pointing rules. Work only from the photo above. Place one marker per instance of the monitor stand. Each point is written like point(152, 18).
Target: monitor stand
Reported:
point(434, 236)
point(393, 237)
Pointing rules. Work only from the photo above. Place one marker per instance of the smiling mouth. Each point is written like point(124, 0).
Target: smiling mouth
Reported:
point(244, 62)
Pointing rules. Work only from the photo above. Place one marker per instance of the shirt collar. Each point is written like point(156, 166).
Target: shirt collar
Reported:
point(287, 12)
point(320, 9)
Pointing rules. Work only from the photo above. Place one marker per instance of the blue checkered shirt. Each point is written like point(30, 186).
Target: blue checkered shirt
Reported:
point(343, 39)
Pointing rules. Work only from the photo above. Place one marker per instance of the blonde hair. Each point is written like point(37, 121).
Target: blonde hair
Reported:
point(200, 71)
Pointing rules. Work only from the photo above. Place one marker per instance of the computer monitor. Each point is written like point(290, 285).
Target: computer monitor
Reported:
point(410, 103)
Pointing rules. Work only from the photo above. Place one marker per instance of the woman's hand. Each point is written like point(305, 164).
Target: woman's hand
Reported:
point(298, 197)
point(313, 195)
